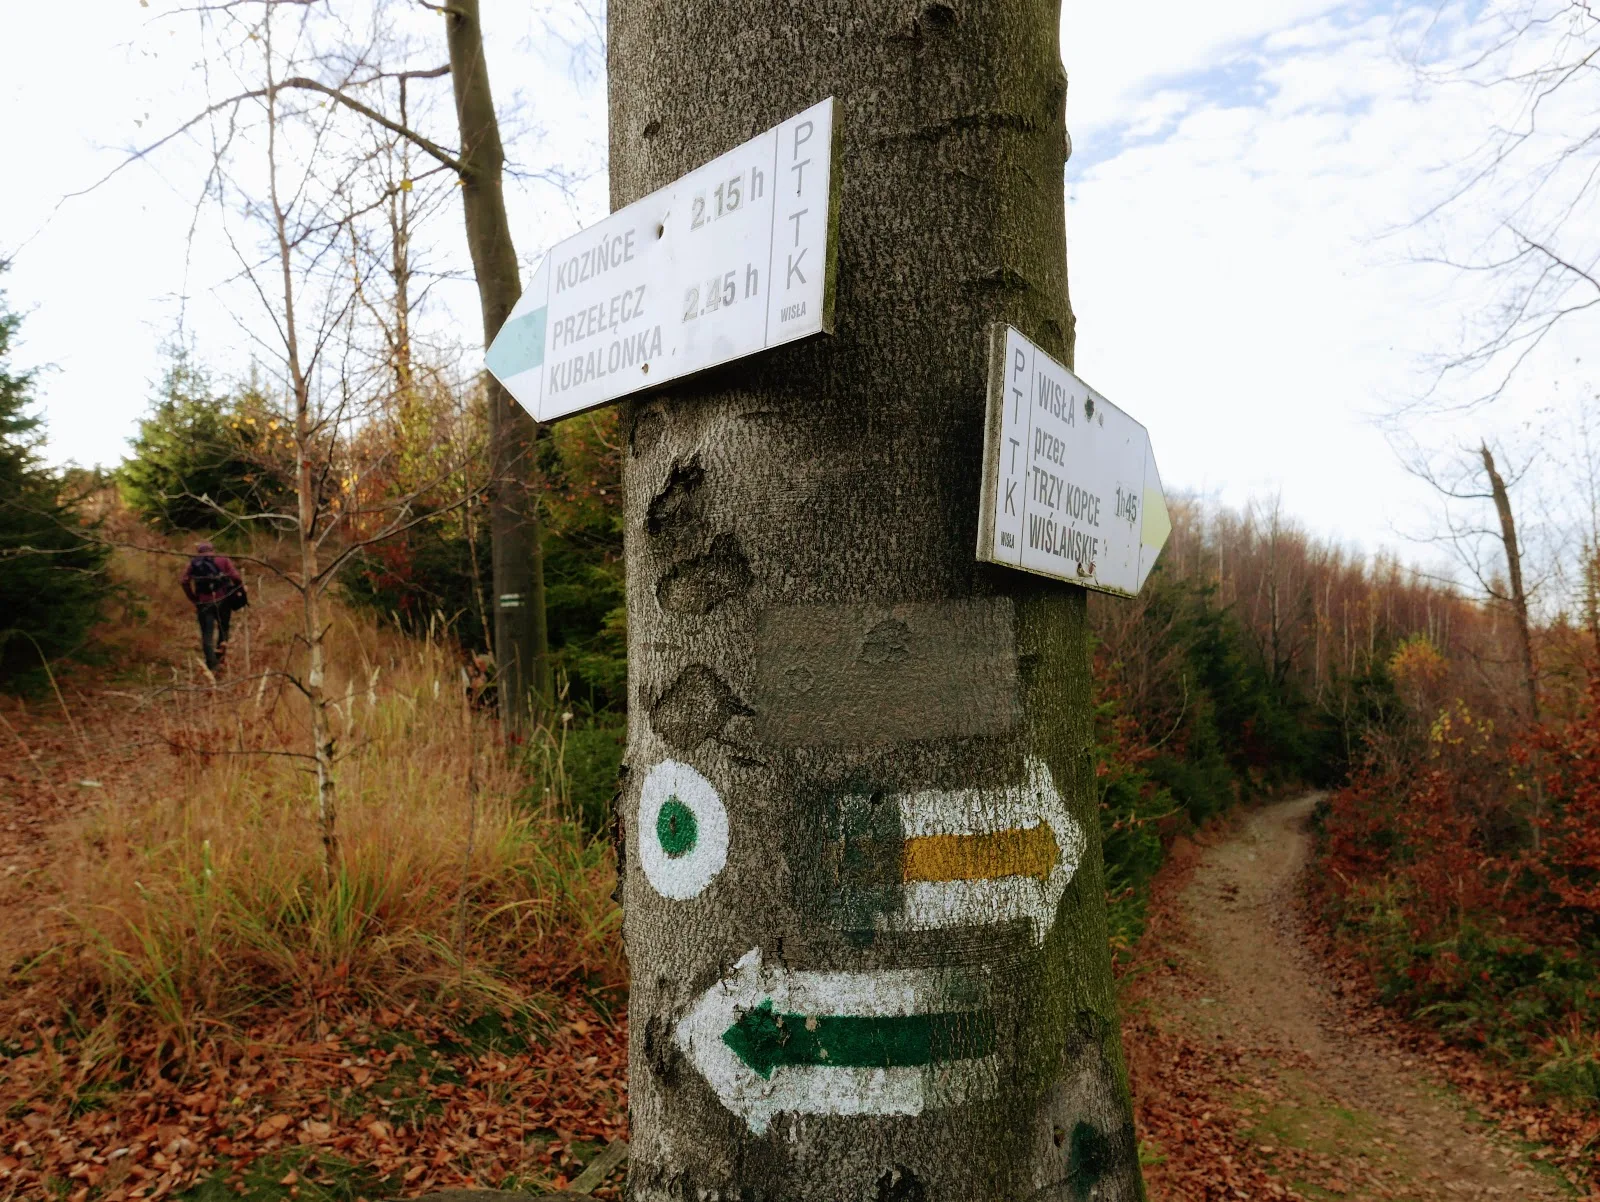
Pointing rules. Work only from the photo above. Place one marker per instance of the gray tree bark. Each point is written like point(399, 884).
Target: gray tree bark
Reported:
point(811, 634)
point(521, 637)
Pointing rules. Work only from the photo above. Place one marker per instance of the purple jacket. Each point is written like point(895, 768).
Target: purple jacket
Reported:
point(224, 565)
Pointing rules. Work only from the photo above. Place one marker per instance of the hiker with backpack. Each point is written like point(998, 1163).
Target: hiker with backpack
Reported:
point(215, 589)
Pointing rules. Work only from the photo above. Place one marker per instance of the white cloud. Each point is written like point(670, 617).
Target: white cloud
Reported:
point(1116, 53)
point(1234, 165)
point(1230, 281)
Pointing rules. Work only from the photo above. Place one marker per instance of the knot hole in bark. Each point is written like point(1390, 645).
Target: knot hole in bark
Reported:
point(675, 516)
point(661, 1053)
point(649, 424)
point(900, 1184)
point(695, 706)
point(939, 18)
point(697, 586)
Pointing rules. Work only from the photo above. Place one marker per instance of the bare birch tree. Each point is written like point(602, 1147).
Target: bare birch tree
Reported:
point(291, 184)
point(1516, 219)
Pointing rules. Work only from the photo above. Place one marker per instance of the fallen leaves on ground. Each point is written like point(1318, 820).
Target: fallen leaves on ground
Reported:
point(1571, 1136)
point(392, 1100)
point(1191, 1133)
point(1199, 1103)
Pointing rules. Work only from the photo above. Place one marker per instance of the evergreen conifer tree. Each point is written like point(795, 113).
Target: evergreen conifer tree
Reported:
point(201, 458)
point(52, 574)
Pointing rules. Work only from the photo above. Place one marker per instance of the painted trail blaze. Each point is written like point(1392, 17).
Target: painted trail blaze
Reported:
point(882, 1041)
point(767, 1040)
point(676, 828)
point(683, 830)
point(956, 857)
point(1032, 851)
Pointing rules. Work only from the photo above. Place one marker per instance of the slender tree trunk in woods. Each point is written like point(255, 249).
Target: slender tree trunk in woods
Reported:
point(1519, 595)
point(1519, 610)
point(306, 512)
point(1591, 596)
point(401, 266)
point(521, 636)
point(830, 999)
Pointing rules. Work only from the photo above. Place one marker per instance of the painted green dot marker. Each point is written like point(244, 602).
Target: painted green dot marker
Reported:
point(676, 828)
point(683, 830)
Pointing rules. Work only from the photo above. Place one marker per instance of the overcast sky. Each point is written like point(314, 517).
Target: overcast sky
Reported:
point(1234, 170)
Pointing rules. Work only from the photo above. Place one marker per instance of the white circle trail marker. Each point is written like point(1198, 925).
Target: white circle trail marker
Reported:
point(683, 830)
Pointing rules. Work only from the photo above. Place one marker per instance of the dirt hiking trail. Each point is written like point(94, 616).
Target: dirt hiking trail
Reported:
point(1232, 1016)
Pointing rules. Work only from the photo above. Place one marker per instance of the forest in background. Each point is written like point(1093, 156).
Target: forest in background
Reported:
point(1258, 657)
point(323, 920)
point(1460, 837)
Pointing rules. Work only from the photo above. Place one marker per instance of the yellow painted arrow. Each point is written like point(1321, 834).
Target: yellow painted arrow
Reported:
point(1027, 852)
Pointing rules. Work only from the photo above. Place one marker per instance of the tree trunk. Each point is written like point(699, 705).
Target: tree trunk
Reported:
point(1519, 595)
point(314, 684)
point(521, 636)
point(322, 738)
point(827, 690)
point(1591, 596)
point(305, 431)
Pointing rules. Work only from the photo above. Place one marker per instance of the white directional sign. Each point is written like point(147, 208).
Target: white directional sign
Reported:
point(733, 258)
point(976, 857)
point(1070, 487)
point(895, 1041)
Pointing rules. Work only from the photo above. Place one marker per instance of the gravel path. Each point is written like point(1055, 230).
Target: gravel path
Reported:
point(1325, 1109)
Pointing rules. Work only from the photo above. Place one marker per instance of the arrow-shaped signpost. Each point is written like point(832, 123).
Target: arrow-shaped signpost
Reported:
point(1070, 486)
point(892, 1041)
point(713, 267)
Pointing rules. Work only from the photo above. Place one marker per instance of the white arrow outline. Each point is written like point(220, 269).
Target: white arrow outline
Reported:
point(825, 1089)
point(926, 905)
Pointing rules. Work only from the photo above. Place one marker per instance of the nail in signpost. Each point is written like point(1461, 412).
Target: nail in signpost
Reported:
point(732, 259)
point(1070, 487)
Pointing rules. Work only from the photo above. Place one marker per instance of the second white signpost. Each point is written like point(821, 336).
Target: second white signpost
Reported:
point(729, 260)
point(1070, 487)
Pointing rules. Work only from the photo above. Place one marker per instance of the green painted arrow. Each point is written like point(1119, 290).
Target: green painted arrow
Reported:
point(765, 1039)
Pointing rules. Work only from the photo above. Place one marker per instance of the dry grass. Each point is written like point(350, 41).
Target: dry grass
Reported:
point(190, 893)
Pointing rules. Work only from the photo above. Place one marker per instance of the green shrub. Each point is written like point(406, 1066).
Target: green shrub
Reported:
point(202, 460)
point(426, 573)
point(593, 757)
point(52, 571)
point(1573, 1071)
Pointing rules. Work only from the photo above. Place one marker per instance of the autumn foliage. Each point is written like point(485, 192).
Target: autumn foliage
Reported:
point(1257, 659)
point(186, 1002)
point(1464, 869)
